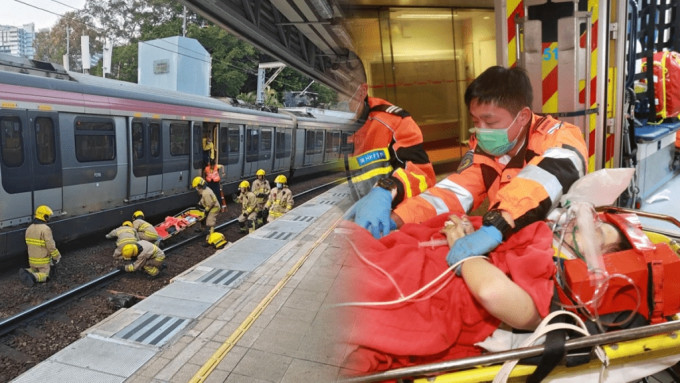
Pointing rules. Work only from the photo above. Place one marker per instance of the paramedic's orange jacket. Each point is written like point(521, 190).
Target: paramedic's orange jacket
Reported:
point(527, 187)
point(390, 143)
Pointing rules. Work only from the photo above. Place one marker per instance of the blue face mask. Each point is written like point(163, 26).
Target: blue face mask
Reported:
point(279, 185)
point(495, 141)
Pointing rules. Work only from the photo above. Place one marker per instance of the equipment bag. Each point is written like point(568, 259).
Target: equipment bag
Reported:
point(666, 83)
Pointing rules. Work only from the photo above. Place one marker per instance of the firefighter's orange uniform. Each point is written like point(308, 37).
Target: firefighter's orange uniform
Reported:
point(389, 144)
point(280, 199)
point(42, 250)
point(527, 185)
point(212, 178)
point(146, 256)
point(125, 234)
point(249, 210)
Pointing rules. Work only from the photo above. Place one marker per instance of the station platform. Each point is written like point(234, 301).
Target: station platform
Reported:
point(258, 310)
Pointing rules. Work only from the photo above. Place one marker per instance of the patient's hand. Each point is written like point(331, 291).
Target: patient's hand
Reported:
point(455, 228)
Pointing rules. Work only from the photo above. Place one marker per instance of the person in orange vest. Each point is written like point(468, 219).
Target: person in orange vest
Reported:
point(388, 152)
point(42, 251)
point(521, 161)
point(212, 174)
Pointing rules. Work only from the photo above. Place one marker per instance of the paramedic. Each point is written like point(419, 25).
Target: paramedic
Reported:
point(42, 251)
point(521, 161)
point(145, 230)
point(208, 203)
point(280, 199)
point(388, 148)
point(125, 234)
point(248, 201)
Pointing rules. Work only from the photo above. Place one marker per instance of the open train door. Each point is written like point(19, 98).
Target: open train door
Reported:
point(146, 177)
point(30, 164)
point(557, 42)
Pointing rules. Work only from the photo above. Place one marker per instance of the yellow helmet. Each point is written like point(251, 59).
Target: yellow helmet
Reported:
point(260, 172)
point(138, 214)
point(244, 184)
point(281, 179)
point(43, 213)
point(127, 223)
point(130, 251)
point(198, 181)
point(217, 239)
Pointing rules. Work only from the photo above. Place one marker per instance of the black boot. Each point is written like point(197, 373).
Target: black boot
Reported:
point(26, 278)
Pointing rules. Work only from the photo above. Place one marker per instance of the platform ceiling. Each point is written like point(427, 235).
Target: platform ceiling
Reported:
point(306, 34)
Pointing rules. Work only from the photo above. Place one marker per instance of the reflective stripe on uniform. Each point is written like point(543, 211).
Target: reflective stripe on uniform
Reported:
point(569, 154)
point(35, 242)
point(377, 172)
point(549, 181)
point(464, 196)
point(39, 261)
point(436, 202)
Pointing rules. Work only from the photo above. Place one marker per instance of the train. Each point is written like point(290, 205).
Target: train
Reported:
point(95, 150)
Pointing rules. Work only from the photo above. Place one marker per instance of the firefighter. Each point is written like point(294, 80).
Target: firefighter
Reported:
point(124, 234)
point(248, 201)
point(212, 174)
point(520, 161)
point(42, 251)
point(280, 199)
point(389, 147)
point(145, 230)
point(208, 150)
point(261, 189)
point(144, 255)
point(207, 203)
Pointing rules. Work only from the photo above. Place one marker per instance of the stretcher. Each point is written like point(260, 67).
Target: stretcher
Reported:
point(173, 225)
point(627, 355)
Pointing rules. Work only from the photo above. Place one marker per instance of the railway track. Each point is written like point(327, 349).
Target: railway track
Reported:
point(38, 331)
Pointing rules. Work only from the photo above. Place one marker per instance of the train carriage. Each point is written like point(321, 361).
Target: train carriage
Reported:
point(95, 149)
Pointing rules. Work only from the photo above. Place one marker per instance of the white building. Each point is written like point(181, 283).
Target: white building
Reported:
point(17, 41)
point(175, 63)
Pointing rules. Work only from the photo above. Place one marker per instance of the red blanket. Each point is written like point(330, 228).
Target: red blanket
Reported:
point(448, 324)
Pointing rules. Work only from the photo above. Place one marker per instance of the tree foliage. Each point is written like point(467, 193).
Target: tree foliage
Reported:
point(127, 22)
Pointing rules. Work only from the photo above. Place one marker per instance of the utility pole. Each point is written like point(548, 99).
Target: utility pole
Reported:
point(184, 22)
point(65, 59)
point(261, 84)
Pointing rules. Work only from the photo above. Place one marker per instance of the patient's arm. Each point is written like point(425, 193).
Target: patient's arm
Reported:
point(499, 295)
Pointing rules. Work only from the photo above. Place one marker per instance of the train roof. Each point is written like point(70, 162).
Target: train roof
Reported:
point(32, 73)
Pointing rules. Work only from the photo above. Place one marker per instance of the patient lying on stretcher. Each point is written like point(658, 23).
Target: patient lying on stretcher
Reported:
point(394, 324)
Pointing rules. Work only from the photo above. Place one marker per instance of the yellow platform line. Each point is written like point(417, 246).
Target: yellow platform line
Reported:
point(224, 349)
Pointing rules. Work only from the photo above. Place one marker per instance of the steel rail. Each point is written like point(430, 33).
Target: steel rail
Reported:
point(9, 324)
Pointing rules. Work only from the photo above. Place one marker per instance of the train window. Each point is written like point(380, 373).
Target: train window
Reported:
point(12, 141)
point(179, 139)
point(137, 140)
point(265, 144)
point(155, 139)
point(232, 144)
point(346, 146)
point(95, 139)
point(252, 144)
point(311, 141)
point(332, 144)
point(283, 143)
point(46, 147)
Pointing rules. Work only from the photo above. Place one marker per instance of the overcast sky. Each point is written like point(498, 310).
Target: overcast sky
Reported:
point(17, 13)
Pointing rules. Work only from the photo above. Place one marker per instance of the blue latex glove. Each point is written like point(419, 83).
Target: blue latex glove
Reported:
point(372, 212)
point(479, 242)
